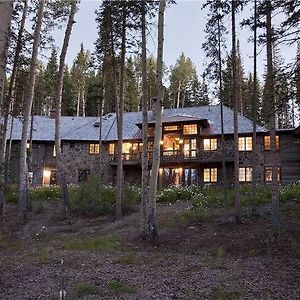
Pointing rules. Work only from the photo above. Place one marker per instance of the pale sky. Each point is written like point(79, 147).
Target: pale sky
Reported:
point(184, 32)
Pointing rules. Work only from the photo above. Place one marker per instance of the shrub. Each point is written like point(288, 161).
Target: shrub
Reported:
point(91, 199)
point(173, 194)
point(42, 193)
point(289, 192)
point(47, 193)
point(11, 194)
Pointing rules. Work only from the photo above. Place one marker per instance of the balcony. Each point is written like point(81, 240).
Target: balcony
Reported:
point(166, 156)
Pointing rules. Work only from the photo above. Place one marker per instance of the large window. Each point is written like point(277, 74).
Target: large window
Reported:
point(126, 147)
point(245, 174)
point(171, 128)
point(210, 175)
point(267, 142)
point(190, 148)
point(190, 129)
point(268, 174)
point(94, 148)
point(245, 143)
point(210, 144)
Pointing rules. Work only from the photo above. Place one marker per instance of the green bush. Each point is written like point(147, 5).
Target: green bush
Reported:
point(11, 193)
point(91, 199)
point(289, 192)
point(173, 194)
point(45, 193)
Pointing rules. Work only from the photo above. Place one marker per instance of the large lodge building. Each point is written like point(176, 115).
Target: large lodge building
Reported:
point(190, 148)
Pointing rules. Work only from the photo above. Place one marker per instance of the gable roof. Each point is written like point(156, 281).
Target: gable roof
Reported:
point(83, 129)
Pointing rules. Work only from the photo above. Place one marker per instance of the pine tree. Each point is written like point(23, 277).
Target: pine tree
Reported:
point(132, 89)
point(79, 73)
point(69, 94)
point(50, 79)
point(182, 75)
point(23, 172)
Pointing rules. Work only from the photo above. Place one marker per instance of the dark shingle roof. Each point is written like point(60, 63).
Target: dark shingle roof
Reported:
point(83, 129)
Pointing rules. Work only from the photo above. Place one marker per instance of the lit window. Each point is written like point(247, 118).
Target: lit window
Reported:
point(111, 149)
point(210, 144)
point(268, 174)
point(245, 143)
point(210, 175)
point(190, 129)
point(190, 148)
point(245, 174)
point(94, 148)
point(267, 142)
point(171, 128)
point(54, 151)
point(126, 147)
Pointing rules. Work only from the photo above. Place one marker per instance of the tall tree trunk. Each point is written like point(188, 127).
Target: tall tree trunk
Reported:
point(120, 175)
point(23, 176)
point(58, 98)
point(223, 148)
point(6, 8)
point(101, 110)
point(178, 96)
point(145, 168)
point(235, 118)
point(254, 113)
point(83, 102)
point(158, 127)
point(11, 90)
point(78, 103)
point(272, 121)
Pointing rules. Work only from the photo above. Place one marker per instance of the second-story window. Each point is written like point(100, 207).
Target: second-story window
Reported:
point(94, 148)
point(126, 147)
point(190, 129)
point(268, 174)
point(210, 144)
point(245, 174)
point(267, 142)
point(111, 149)
point(245, 143)
point(210, 175)
point(190, 148)
point(171, 128)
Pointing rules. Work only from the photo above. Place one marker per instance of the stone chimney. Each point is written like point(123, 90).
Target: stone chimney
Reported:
point(52, 113)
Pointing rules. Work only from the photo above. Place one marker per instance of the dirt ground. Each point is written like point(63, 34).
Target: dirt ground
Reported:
point(107, 260)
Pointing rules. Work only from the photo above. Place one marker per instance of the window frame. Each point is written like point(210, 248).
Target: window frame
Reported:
point(171, 128)
point(245, 144)
point(94, 148)
point(211, 172)
point(188, 127)
point(269, 143)
point(210, 144)
point(271, 171)
point(246, 169)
